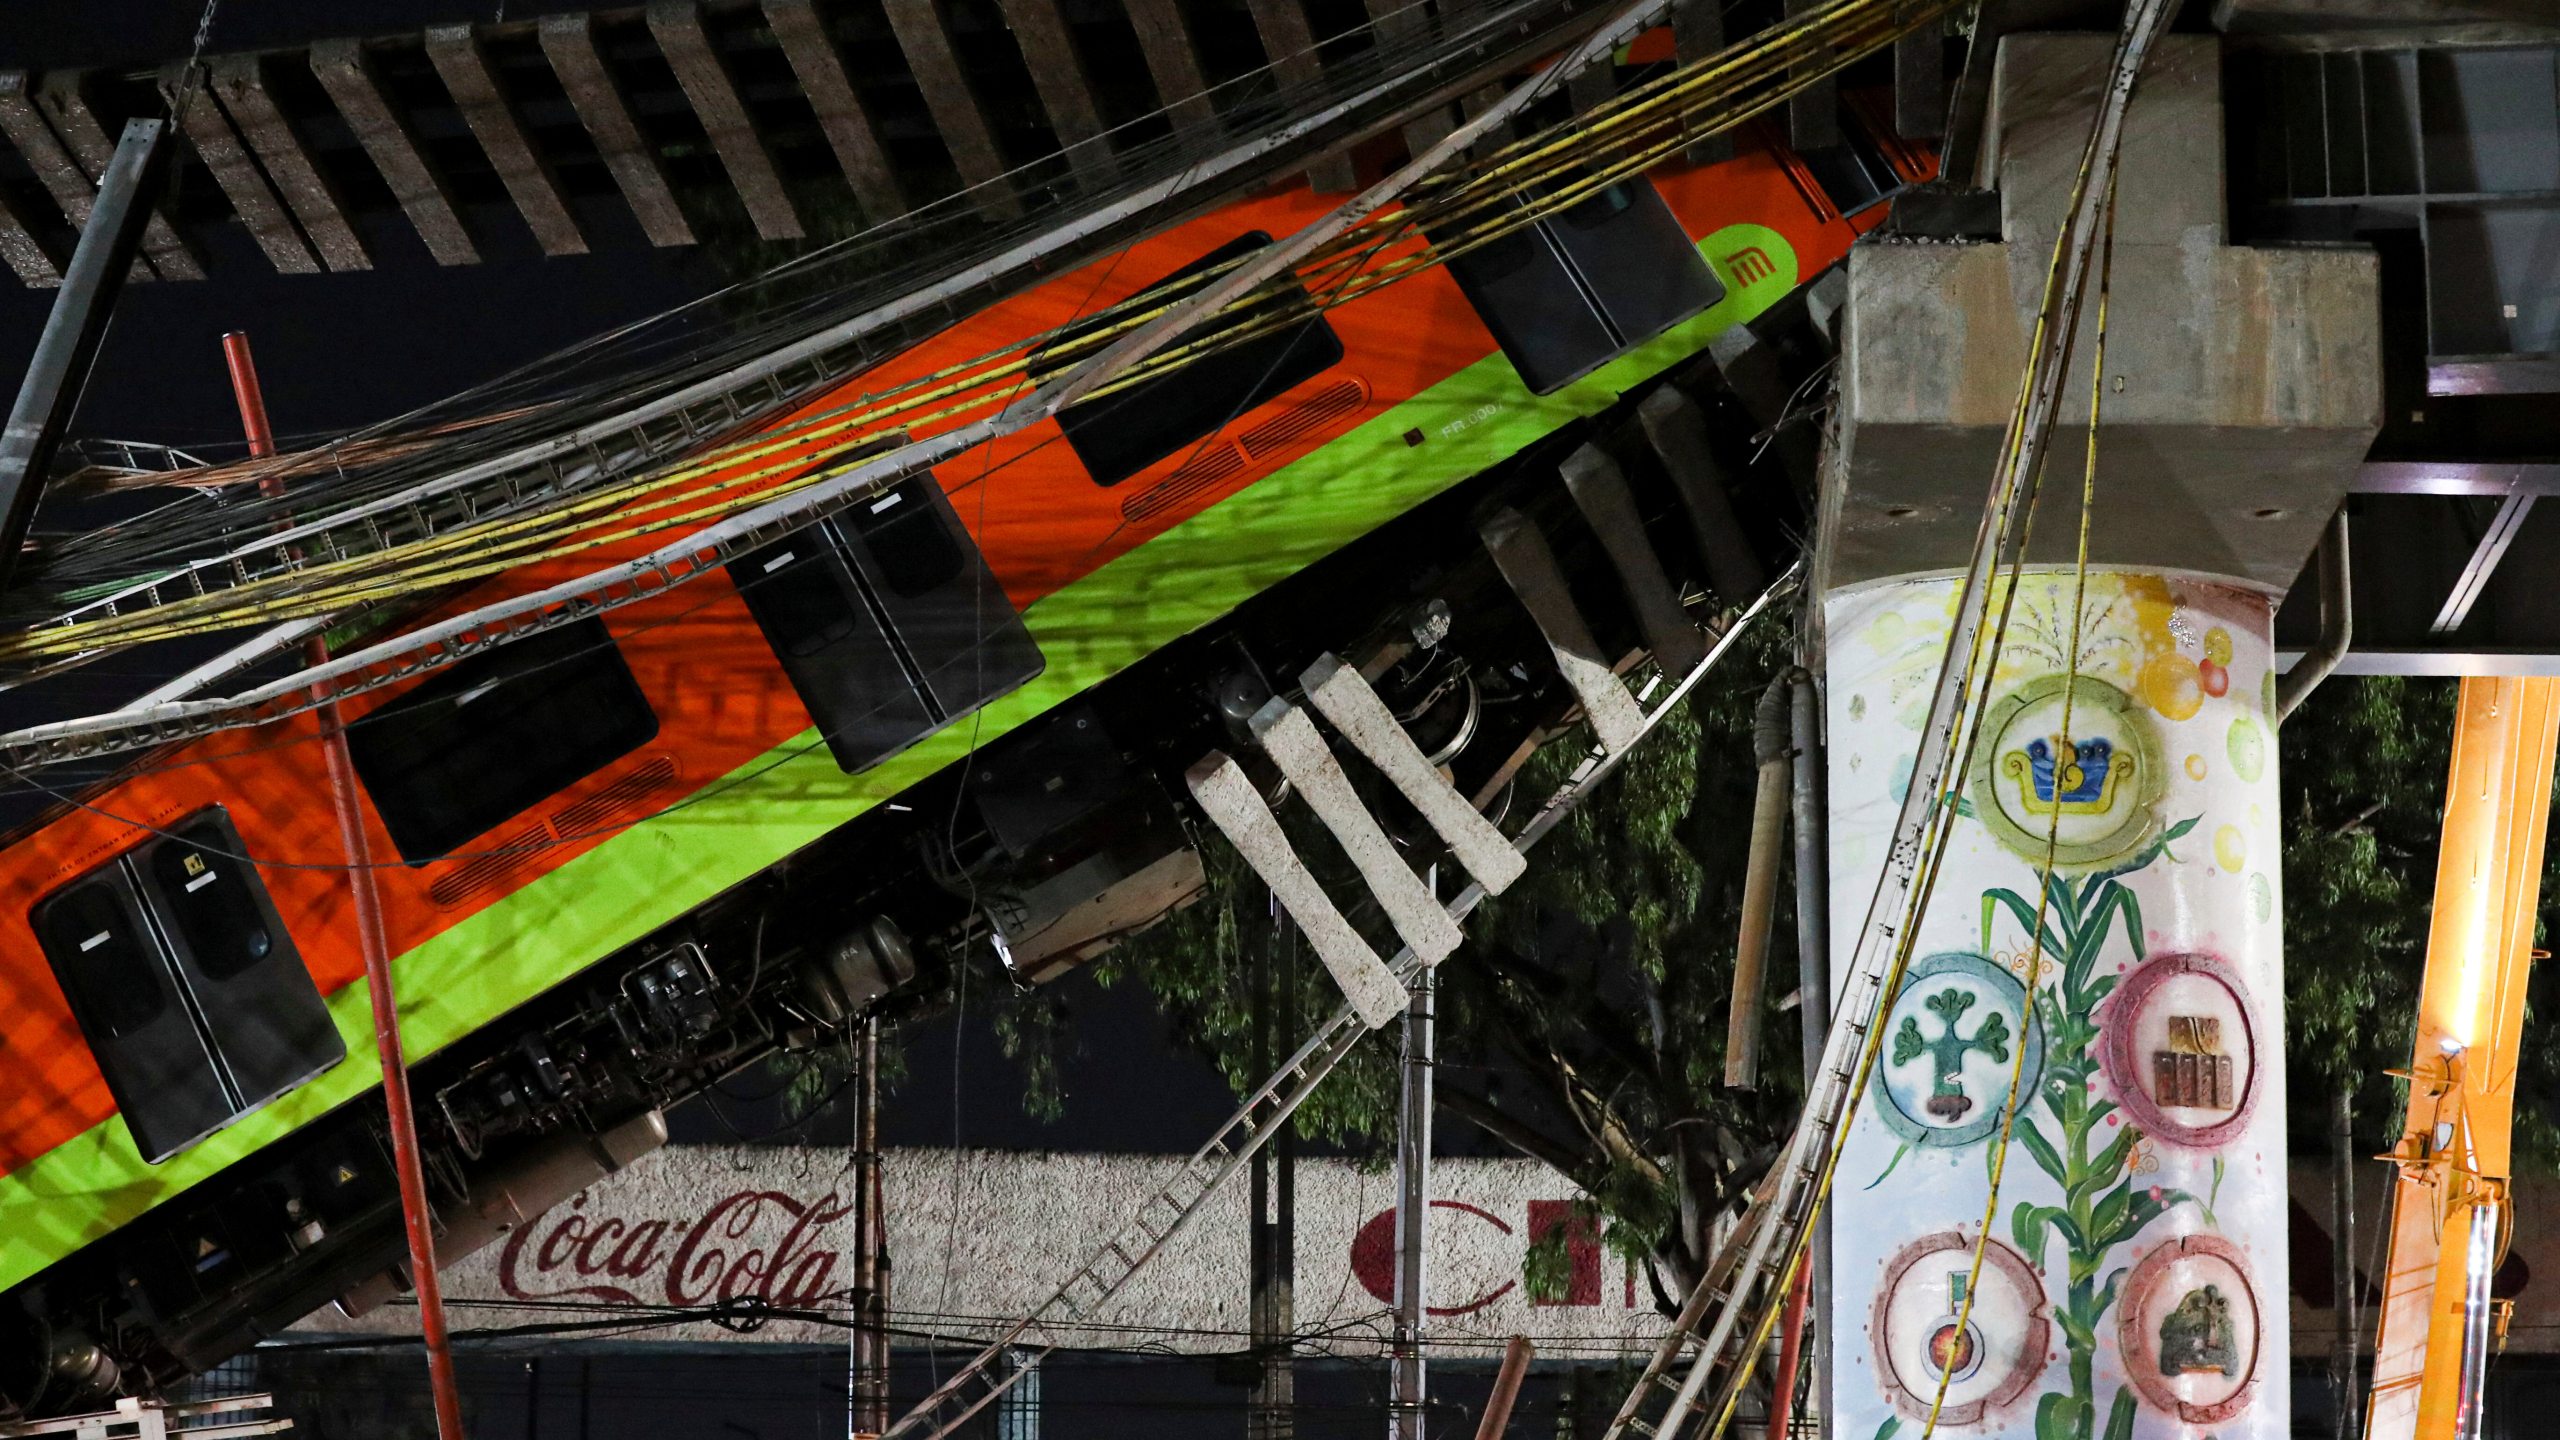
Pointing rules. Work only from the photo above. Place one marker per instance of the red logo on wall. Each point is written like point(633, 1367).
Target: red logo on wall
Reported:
point(719, 1257)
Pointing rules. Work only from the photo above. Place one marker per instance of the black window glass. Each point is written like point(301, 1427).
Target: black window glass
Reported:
point(1120, 434)
point(802, 597)
point(112, 972)
point(907, 539)
point(205, 895)
point(497, 734)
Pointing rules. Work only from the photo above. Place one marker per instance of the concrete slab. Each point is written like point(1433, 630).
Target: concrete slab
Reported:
point(455, 52)
point(1677, 430)
point(957, 112)
point(569, 43)
point(1290, 739)
point(59, 96)
point(801, 32)
point(242, 85)
point(1173, 61)
point(1057, 73)
point(1227, 796)
point(1529, 567)
point(1289, 39)
point(1599, 491)
point(19, 250)
point(677, 27)
point(46, 156)
point(348, 76)
point(1343, 697)
point(225, 154)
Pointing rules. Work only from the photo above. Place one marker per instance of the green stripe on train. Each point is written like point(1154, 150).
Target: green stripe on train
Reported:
point(790, 796)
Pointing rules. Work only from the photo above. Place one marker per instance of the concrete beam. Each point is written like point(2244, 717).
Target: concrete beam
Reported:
point(1399, 24)
point(677, 26)
point(455, 52)
point(1528, 566)
point(58, 96)
point(1173, 61)
point(803, 36)
point(72, 191)
point(569, 43)
point(1813, 116)
point(1920, 85)
point(227, 156)
point(1057, 73)
point(2240, 394)
point(343, 71)
point(1343, 697)
point(18, 248)
point(242, 86)
point(957, 113)
point(1290, 40)
point(1697, 31)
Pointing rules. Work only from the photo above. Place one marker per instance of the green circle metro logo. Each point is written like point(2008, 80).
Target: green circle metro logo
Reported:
point(2093, 794)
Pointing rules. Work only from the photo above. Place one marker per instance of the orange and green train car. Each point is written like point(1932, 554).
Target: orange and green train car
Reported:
point(642, 850)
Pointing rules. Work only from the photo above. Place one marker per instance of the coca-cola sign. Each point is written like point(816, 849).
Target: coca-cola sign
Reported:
point(976, 1235)
point(749, 1244)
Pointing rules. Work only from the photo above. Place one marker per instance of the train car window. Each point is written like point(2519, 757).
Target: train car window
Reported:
point(497, 734)
point(804, 601)
point(1573, 291)
point(841, 662)
point(1122, 433)
point(950, 618)
point(234, 960)
point(917, 552)
point(149, 1045)
point(209, 906)
point(104, 960)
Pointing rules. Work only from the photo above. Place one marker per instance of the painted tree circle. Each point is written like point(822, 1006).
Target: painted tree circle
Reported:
point(1951, 1047)
point(2095, 794)
point(2189, 1329)
point(2180, 1046)
point(1919, 1328)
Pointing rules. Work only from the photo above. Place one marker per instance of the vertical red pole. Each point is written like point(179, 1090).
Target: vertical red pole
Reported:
point(377, 964)
point(1782, 1398)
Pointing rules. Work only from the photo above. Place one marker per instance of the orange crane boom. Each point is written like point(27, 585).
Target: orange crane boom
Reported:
point(2449, 1208)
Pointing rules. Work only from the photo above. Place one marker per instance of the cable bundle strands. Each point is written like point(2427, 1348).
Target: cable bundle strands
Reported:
point(1441, 216)
point(1725, 1323)
point(645, 393)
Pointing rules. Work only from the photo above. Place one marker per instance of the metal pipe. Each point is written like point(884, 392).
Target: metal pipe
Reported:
point(2337, 622)
point(870, 1308)
point(1782, 1393)
point(1769, 742)
point(2342, 1263)
point(415, 1216)
point(56, 374)
point(1813, 967)
point(1413, 1204)
point(1506, 1388)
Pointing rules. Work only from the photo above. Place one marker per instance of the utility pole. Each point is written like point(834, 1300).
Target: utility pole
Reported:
point(2344, 1299)
point(1271, 1412)
point(59, 370)
point(1413, 1205)
point(407, 1160)
point(868, 1384)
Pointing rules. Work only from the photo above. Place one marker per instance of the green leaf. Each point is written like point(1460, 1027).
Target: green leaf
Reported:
point(2046, 1158)
point(2018, 906)
point(2027, 1227)
point(2111, 1212)
point(1886, 1430)
point(2109, 1164)
point(2120, 1415)
point(2058, 1416)
point(1898, 1152)
point(2179, 830)
point(2107, 1296)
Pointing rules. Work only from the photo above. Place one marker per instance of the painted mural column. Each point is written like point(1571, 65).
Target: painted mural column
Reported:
point(2134, 1282)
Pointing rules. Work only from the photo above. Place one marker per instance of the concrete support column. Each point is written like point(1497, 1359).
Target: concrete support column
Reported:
point(2105, 929)
point(2136, 1272)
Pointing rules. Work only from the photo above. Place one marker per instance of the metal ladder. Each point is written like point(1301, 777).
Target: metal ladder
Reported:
point(1164, 1214)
